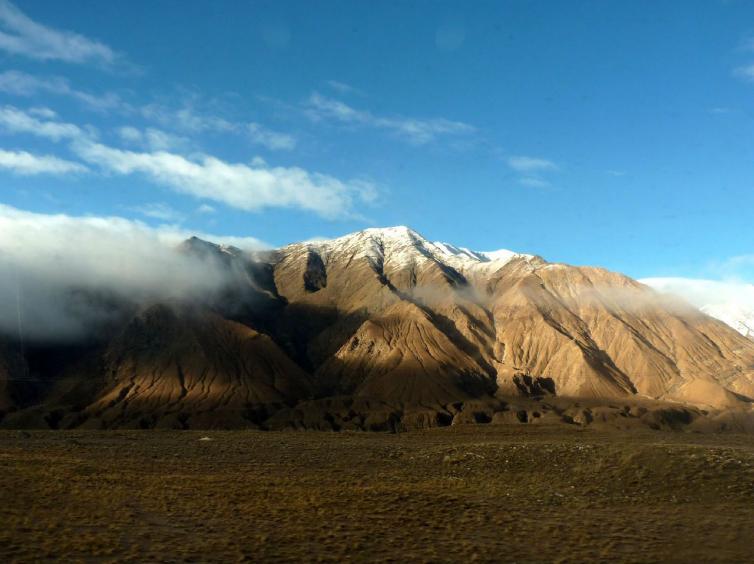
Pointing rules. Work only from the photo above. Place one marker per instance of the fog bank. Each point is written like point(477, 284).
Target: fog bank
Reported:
point(61, 276)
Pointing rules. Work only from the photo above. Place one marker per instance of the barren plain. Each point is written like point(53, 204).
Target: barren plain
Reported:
point(468, 492)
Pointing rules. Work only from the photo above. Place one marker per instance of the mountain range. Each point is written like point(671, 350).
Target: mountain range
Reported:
point(385, 330)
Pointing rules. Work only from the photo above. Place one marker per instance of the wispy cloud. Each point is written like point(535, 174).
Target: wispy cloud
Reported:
point(530, 164)
point(20, 35)
point(273, 140)
point(205, 209)
point(14, 120)
point(152, 138)
point(532, 170)
point(248, 187)
point(745, 72)
point(343, 88)
point(740, 260)
point(533, 182)
point(736, 267)
point(22, 84)
point(43, 112)
point(28, 164)
point(253, 186)
point(159, 210)
point(187, 119)
point(413, 130)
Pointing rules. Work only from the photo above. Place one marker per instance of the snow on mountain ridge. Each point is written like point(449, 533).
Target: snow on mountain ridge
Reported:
point(503, 255)
point(400, 245)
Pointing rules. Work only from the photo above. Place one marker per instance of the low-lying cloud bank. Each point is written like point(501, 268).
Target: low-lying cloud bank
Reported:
point(61, 274)
point(701, 292)
point(729, 301)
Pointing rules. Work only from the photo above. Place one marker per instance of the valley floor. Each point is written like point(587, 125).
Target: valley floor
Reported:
point(487, 493)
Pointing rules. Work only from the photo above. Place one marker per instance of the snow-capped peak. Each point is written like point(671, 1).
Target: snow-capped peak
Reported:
point(395, 232)
point(500, 257)
point(461, 252)
point(504, 255)
point(398, 246)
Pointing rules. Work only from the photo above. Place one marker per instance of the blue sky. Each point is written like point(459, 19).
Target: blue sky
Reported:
point(607, 133)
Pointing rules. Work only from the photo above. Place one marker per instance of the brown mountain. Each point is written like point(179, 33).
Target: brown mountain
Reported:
point(583, 332)
point(385, 326)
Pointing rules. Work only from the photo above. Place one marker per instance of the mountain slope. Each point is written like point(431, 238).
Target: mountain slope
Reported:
point(402, 356)
point(177, 367)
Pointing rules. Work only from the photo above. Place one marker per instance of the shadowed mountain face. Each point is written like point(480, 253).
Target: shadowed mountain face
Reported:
point(388, 321)
point(14, 377)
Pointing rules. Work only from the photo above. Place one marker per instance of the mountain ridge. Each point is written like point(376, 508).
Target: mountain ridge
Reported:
point(390, 320)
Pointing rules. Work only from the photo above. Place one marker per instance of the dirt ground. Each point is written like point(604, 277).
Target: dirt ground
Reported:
point(502, 493)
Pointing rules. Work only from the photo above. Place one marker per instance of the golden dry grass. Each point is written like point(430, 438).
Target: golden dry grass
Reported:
point(463, 493)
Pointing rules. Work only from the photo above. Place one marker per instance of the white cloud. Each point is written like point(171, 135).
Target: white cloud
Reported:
point(253, 186)
point(187, 119)
point(43, 112)
point(244, 186)
point(413, 130)
point(28, 164)
point(342, 87)
point(61, 272)
point(729, 301)
point(532, 168)
point(745, 72)
point(273, 140)
point(23, 84)
point(158, 140)
point(530, 164)
point(159, 210)
point(14, 120)
point(152, 138)
point(696, 291)
point(533, 182)
point(130, 134)
point(20, 35)
point(321, 107)
point(736, 263)
point(205, 209)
